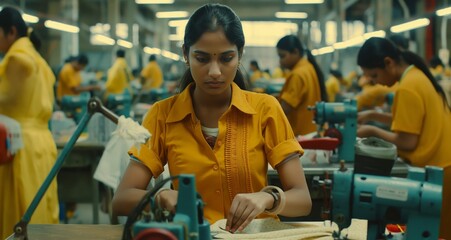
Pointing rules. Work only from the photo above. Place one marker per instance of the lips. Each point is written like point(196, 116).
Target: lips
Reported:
point(214, 84)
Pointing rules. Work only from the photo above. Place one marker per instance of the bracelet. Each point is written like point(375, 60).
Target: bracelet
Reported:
point(279, 199)
point(157, 200)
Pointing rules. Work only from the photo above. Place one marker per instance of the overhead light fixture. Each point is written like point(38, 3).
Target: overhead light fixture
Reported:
point(304, 1)
point(300, 15)
point(443, 12)
point(422, 22)
point(349, 43)
point(170, 55)
point(151, 51)
point(61, 26)
point(123, 43)
point(380, 33)
point(322, 50)
point(30, 18)
point(173, 14)
point(178, 23)
point(104, 39)
point(154, 1)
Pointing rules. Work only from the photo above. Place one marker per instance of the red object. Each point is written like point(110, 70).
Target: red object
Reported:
point(396, 228)
point(155, 234)
point(5, 157)
point(319, 143)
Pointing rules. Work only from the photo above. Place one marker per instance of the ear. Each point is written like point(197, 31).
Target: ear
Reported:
point(12, 32)
point(185, 53)
point(388, 62)
point(240, 53)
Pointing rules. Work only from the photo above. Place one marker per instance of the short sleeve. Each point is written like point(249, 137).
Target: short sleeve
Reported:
point(408, 112)
point(280, 141)
point(293, 90)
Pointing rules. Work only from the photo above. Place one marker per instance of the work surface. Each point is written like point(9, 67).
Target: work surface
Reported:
point(357, 231)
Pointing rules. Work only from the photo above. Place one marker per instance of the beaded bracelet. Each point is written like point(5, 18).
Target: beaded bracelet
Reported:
point(279, 196)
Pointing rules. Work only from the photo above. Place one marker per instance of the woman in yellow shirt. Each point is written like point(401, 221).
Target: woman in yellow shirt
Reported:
point(222, 134)
point(26, 95)
point(420, 119)
point(304, 85)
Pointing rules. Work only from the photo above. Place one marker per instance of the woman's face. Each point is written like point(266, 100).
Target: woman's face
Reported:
point(6, 40)
point(213, 61)
point(287, 59)
point(379, 75)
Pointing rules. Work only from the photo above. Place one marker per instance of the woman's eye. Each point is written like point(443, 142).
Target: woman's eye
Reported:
point(202, 59)
point(227, 58)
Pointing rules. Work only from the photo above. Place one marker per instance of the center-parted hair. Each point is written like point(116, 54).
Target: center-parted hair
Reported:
point(211, 18)
point(11, 17)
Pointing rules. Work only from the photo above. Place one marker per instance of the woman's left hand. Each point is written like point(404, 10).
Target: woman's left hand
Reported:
point(364, 131)
point(245, 207)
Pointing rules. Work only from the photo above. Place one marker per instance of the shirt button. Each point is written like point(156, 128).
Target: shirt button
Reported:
point(219, 142)
point(215, 167)
point(218, 192)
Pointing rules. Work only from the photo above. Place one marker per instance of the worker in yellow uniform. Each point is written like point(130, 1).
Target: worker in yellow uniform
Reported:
point(151, 75)
point(26, 95)
point(335, 85)
point(69, 78)
point(119, 76)
point(420, 118)
point(222, 134)
point(304, 85)
point(256, 72)
point(372, 94)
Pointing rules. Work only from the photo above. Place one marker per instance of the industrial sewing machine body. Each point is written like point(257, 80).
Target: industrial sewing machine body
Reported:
point(414, 201)
point(342, 124)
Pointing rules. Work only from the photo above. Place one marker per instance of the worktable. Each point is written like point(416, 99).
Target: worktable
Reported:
point(104, 232)
point(76, 175)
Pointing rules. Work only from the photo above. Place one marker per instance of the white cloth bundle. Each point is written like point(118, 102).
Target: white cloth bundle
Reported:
point(14, 137)
point(115, 158)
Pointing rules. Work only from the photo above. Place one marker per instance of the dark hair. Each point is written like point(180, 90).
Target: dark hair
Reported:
point(255, 64)
point(209, 18)
point(152, 57)
point(82, 59)
point(435, 61)
point(336, 73)
point(290, 43)
point(120, 53)
point(400, 41)
point(11, 17)
point(375, 50)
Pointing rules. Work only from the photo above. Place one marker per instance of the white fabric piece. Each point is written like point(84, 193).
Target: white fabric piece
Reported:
point(14, 132)
point(115, 158)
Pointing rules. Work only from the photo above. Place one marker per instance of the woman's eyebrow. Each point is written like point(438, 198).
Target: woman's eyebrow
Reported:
point(206, 53)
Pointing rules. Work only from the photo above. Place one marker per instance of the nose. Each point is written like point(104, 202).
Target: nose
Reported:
point(214, 71)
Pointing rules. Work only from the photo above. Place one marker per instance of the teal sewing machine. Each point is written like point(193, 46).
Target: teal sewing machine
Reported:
point(415, 201)
point(75, 106)
point(342, 124)
point(120, 104)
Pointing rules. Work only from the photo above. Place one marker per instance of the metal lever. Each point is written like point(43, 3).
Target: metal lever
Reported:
point(94, 105)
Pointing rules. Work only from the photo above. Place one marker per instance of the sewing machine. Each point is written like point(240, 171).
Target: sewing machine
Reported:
point(342, 124)
point(75, 106)
point(188, 222)
point(415, 201)
point(120, 104)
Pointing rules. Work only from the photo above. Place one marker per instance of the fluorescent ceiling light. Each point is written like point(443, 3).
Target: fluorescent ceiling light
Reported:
point(30, 18)
point(301, 15)
point(323, 50)
point(151, 51)
point(170, 55)
point(380, 33)
point(174, 14)
point(123, 43)
point(154, 1)
point(104, 39)
point(443, 11)
point(349, 43)
point(304, 1)
point(422, 22)
point(178, 23)
point(61, 26)
point(175, 37)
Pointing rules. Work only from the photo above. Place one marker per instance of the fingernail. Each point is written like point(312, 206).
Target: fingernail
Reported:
point(228, 228)
point(240, 229)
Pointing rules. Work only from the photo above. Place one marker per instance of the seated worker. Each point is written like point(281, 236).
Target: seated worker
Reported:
point(335, 84)
point(420, 119)
point(119, 76)
point(278, 73)
point(219, 132)
point(436, 67)
point(69, 78)
point(256, 73)
point(372, 95)
point(151, 75)
point(304, 85)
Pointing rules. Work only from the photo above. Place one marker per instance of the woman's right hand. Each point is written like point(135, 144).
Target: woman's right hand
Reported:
point(167, 199)
point(364, 116)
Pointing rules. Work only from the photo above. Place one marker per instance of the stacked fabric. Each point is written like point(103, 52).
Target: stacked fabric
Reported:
point(10, 138)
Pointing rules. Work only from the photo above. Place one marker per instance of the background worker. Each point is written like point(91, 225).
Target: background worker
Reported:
point(26, 95)
point(151, 75)
point(304, 85)
point(256, 72)
point(119, 76)
point(219, 132)
point(69, 78)
point(420, 119)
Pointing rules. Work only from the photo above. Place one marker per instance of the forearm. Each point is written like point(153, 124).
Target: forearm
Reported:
point(126, 200)
point(385, 118)
point(298, 203)
point(403, 141)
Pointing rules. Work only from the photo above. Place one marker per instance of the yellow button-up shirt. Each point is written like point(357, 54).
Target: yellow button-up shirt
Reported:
point(153, 75)
point(119, 77)
point(301, 90)
point(252, 133)
point(68, 79)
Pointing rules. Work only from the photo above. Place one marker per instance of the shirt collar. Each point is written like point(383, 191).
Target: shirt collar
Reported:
point(183, 104)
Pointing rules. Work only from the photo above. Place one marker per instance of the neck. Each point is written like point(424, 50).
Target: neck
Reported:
point(212, 101)
point(402, 68)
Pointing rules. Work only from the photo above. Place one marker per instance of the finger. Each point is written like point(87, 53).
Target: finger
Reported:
point(237, 215)
point(231, 213)
point(248, 220)
point(243, 218)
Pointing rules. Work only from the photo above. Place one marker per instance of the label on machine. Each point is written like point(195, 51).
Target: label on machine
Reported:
point(392, 193)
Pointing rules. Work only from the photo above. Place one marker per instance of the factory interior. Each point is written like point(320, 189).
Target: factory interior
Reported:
point(96, 141)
